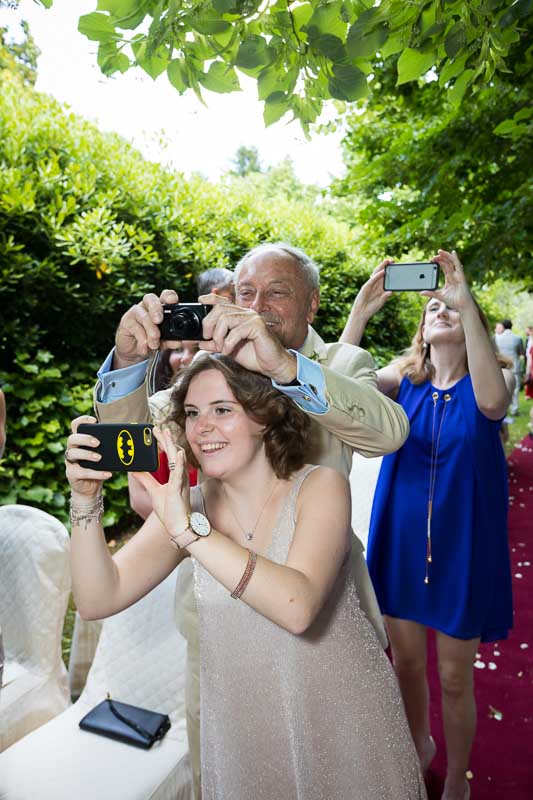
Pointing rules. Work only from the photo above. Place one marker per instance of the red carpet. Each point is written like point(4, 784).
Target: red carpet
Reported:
point(501, 762)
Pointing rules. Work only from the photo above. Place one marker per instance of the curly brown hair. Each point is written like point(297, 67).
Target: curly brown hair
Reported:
point(286, 426)
point(415, 361)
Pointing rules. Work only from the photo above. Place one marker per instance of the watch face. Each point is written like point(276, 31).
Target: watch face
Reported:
point(200, 524)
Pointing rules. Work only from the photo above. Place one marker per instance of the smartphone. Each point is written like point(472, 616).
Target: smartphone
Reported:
point(124, 446)
point(411, 277)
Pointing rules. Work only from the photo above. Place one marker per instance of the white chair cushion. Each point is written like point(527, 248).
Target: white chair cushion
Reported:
point(140, 659)
point(34, 592)
point(61, 762)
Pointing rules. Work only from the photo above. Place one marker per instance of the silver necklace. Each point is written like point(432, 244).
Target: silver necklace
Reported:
point(249, 535)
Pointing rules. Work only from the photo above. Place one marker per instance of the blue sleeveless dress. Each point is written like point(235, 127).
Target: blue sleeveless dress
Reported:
point(469, 591)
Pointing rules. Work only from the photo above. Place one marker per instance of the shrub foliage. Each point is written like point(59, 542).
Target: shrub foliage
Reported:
point(87, 226)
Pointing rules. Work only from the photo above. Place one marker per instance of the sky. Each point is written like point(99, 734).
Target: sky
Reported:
point(176, 130)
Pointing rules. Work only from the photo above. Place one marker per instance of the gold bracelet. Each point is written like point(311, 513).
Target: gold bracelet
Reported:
point(247, 574)
point(86, 513)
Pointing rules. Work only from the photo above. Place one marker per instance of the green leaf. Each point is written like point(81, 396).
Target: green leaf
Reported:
point(110, 60)
point(367, 34)
point(455, 94)
point(434, 30)
point(177, 75)
point(412, 65)
point(272, 80)
point(118, 8)
point(348, 83)
point(154, 64)
point(505, 127)
point(97, 27)
point(520, 8)
point(227, 6)
point(452, 69)
point(393, 45)
point(275, 107)
point(253, 52)
point(208, 24)
point(220, 78)
point(524, 113)
point(330, 46)
point(301, 15)
point(127, 14)
point(327, 19)
point(455, 40)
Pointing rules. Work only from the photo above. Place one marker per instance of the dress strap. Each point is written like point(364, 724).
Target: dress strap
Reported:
point(197, 499)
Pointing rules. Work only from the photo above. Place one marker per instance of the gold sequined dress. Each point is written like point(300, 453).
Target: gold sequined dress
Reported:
point(312, 717)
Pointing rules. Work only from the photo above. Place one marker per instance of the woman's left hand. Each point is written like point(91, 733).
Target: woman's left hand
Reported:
point(455, 293)
point(170, 501)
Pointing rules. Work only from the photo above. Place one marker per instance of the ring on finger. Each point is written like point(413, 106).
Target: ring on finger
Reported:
point(70, 460)
point(172, 465)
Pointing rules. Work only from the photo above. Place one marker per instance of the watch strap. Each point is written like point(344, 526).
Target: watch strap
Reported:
point(184, 539)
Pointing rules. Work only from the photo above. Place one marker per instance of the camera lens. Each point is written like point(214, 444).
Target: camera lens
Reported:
point(186, 324)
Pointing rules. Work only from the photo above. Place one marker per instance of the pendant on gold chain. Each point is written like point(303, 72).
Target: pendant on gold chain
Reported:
point(435, 442)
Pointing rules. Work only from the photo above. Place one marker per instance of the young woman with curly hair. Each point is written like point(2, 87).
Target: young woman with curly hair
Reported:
point(437, 551)
point(298, 698)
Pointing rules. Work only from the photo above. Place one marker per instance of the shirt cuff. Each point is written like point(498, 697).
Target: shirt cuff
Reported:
point(117, 383)
point(309, 393)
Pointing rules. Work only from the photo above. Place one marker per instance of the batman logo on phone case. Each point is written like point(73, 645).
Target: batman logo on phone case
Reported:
point(124, 447)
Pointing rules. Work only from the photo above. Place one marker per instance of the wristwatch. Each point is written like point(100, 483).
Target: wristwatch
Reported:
point(198, 527)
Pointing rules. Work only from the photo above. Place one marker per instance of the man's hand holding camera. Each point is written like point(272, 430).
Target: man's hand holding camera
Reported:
point(246, 336)
point(138, 333)
point(227, 328)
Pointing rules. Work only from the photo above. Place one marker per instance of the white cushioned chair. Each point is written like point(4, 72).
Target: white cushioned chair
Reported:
point(34, 592)
point(140, 659)
point(82, 649)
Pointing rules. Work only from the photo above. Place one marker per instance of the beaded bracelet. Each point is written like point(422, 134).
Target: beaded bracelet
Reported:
point(247, 574)
point(86, 513)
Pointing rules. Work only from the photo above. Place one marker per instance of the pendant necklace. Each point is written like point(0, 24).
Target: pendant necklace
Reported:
point(435, 442)
point(249, 535)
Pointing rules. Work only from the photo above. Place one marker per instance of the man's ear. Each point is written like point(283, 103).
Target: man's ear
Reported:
point(314, 302)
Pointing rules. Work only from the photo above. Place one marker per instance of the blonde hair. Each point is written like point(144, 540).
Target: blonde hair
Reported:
point(415, 361)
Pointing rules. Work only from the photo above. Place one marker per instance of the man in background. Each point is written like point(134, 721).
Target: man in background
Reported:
point(511, 346)
point(217, 280)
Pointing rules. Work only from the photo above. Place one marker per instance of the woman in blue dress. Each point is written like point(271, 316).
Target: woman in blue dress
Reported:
point(438, 551)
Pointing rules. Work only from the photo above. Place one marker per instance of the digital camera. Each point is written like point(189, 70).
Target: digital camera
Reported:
point(183, 321)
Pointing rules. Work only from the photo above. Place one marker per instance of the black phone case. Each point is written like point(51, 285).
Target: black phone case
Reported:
point(411, 277)
point(125, 447)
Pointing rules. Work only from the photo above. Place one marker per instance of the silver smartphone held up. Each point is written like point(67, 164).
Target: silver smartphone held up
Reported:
point(412, 277)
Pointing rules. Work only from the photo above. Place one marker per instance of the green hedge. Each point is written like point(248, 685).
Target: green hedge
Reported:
point(87, 226)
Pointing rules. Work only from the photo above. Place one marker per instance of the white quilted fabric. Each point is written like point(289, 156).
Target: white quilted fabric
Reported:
point(83, 647)
point(34, 592)
point(363, 479)
point(140, 659)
